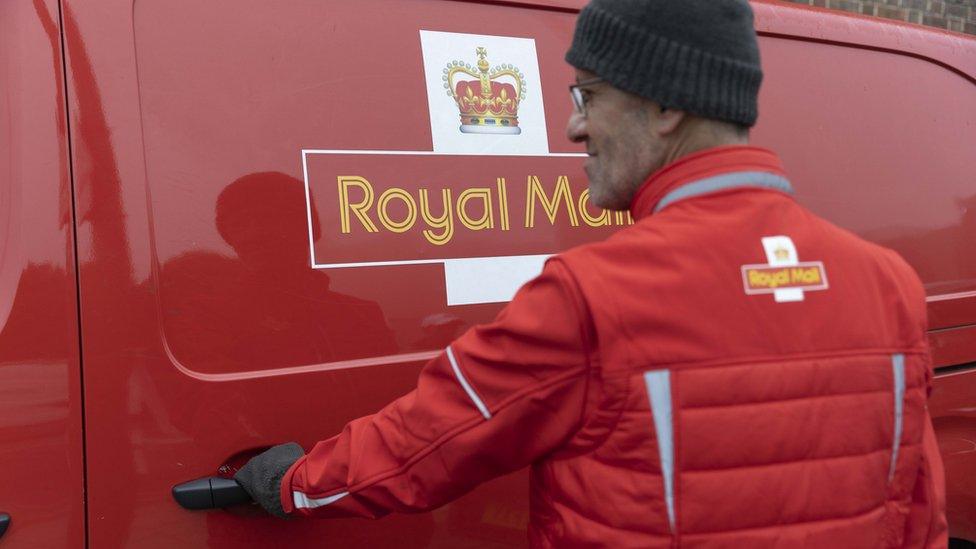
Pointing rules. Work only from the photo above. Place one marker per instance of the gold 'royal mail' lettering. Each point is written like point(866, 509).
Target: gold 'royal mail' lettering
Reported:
point(398, 211)
point(598, 221)
point(502, 202)
point(445, 221)
point(487, 219)
point(770, 278)
point(624, 218)
point(810, 275)
point(766, 279)
point(561, 193)
point(407, 222)
point(345, 205)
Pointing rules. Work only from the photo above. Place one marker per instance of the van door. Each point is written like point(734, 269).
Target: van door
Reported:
point(41, 460)
point(285, 209)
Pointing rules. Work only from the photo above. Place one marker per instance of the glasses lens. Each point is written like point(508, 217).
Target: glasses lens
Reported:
point(577, 98)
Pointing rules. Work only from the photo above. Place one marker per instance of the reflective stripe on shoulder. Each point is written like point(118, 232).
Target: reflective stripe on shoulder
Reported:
point(467, 388)
point(659, 394)
point(898, 375)
point(304, 502)
point(723, 182)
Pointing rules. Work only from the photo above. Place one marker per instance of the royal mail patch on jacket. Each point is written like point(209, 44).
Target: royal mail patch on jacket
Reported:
point(784, 275)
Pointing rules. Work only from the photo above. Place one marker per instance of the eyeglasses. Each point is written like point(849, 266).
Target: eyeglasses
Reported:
point(576, 91)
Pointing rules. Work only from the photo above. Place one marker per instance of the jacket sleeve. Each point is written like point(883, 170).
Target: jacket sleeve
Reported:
point(497, 399)
point(926, 525)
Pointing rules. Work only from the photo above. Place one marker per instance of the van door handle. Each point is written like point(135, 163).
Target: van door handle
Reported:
point(4, 523)
point(210, 493)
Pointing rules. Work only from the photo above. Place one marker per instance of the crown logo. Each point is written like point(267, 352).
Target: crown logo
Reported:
point(488, 104)
point(781, 254)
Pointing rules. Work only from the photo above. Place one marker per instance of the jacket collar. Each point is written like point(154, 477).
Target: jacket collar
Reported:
point(707, 171)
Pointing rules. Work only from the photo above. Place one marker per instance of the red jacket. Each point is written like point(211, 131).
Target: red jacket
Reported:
point(730, 371)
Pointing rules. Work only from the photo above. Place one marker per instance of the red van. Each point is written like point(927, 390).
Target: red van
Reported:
point(229, 224)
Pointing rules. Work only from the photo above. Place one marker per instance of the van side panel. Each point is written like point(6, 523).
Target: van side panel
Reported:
point(41, 455)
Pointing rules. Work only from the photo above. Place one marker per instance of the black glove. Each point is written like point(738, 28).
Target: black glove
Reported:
point(261, 476)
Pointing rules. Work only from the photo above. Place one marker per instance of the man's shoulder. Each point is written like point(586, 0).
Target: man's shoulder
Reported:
point(887, 262)
point(642, 234)
point(600, 267)
point(861, 246)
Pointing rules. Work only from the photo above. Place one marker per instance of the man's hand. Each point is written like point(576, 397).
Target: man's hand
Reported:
point(261, 476)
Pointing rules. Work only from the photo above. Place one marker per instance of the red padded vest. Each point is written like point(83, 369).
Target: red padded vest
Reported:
point(730, 371)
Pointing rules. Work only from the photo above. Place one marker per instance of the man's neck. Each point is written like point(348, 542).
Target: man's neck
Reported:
point(700, 134)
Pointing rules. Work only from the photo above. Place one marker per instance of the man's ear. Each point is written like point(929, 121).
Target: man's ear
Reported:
point(668, 120)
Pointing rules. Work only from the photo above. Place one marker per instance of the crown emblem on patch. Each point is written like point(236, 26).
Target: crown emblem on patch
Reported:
point(782, 254)
point(488, 104)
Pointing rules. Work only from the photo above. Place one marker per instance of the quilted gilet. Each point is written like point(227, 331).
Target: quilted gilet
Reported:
point(732, 413)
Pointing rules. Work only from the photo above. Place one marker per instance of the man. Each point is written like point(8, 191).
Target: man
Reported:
point(730, 371)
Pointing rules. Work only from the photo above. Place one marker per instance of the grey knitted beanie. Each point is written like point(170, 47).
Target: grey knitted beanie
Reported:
point(699, 56)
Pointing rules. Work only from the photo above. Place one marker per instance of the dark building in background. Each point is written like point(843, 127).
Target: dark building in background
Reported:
point(953, 15)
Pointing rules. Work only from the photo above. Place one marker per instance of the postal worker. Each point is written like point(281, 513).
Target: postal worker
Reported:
point(731, 370)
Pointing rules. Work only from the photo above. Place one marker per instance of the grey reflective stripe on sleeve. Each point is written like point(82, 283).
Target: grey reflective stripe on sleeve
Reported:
point(467, 388)
point(898, 373)
point(659, 394)
point(723, 182)
point(304, 502)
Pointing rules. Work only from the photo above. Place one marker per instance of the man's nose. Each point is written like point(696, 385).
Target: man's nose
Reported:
point(576, 128)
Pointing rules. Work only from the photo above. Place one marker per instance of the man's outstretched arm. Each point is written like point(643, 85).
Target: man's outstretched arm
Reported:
point(497, 399)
